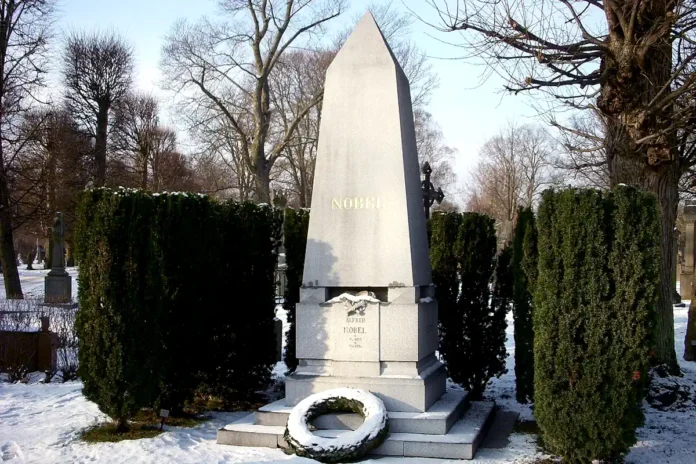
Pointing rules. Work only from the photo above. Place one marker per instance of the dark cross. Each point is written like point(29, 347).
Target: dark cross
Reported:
point(430, 195)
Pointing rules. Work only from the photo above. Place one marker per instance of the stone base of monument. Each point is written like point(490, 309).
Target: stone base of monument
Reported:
point(452, 428)
point(58, 289)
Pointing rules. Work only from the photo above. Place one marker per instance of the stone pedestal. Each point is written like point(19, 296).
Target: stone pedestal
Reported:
point(690, 337)
point(387, 347)
point(58, 288)
point(686, 277)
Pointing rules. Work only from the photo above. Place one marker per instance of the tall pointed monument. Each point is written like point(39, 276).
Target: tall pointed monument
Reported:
point(367, 227)
point(367, 317)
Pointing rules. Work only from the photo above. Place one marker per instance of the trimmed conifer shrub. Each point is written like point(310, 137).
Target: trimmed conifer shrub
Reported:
point(523, 274)
point(117, 326)
point(472, 333)
point(242, 339)
point(176, 294)
point(444, 232)
point(594, 306)
point(295, 229)
point(178, 220)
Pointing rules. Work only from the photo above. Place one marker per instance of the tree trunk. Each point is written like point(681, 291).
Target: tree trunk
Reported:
point(262, 183)
point(100, 146)
point(631, 78)
point(143, 175)
point(8, 257)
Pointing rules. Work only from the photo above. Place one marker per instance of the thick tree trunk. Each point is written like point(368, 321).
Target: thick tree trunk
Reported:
point(666, 189)
point(262, 183)
point(640, 145)
point(100, 146)
point(143, 175)
point(8, 257)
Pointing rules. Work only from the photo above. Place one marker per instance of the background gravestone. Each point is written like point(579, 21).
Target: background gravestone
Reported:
point(58, 283)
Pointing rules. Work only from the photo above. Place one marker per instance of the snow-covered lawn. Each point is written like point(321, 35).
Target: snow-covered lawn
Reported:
point(41, 424)
point(33, 281)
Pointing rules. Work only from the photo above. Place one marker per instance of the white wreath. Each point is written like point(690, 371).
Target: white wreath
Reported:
point(349, 445)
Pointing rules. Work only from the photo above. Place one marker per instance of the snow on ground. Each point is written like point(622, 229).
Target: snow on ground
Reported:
point(33, 281)
point(41, 423)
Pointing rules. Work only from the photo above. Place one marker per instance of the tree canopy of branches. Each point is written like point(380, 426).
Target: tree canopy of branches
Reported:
point(55, 164)
point(24, 34)
point(97, 72)
point(144, 144)
point(633, 60)
point(223, 68)
point(513, 169)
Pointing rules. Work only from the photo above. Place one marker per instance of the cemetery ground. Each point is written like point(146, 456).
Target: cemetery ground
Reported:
point(43, 423)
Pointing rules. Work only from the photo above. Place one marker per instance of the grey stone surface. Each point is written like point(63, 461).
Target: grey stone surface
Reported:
point(502, 425)
point(398, 393)
point(57, 289)
point(461, 442)
point(384, 333)
point(367, 227)
point(314, 294)
point(245, 433)
point(686, 278)
point(436, 421)
point(58, 283)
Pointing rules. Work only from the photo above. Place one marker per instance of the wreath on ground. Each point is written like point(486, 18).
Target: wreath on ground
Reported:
point(347, 446)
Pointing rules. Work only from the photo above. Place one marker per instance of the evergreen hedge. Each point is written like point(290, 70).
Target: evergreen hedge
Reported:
point(176, 293)
point(594, 306)
point(295, 229)
point(524, 275)
point(472, 324)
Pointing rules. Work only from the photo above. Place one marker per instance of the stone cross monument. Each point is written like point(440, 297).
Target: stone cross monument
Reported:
point(58, 283)
point(367, 317)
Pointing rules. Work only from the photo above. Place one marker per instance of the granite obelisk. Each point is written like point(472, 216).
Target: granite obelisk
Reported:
point(367, 233)
point(367, 227)
point(367, 317)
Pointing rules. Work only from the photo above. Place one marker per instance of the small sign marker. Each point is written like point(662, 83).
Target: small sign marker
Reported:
point(164, 413)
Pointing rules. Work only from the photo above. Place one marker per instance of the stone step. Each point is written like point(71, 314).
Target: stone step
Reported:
point(436, 421)
point(461, 442)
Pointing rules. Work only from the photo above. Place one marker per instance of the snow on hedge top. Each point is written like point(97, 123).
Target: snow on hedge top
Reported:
point(372, 407)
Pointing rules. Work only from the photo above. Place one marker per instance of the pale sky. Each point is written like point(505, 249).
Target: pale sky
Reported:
point(468, 110)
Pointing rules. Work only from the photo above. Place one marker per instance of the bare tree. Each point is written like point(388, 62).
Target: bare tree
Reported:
point(300, 76)
point(583, 153)
point(514, 168)
point(631, 59)
point(97, 72)
point(53, 166)
point(432, 147)
point(223, 68)
point(221, 156)
point(24, 34)
point(136, 122)
point(297, 79)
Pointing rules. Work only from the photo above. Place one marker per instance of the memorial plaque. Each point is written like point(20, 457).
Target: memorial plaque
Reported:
point(356, 333)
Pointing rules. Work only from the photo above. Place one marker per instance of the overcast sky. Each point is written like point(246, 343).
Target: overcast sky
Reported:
point(468, 110)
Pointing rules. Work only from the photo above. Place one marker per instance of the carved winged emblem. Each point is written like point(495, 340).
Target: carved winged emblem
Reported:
point(356, 304)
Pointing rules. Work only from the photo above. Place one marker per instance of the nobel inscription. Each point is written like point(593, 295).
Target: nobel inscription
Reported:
point(357, 203)
point(354, 332)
